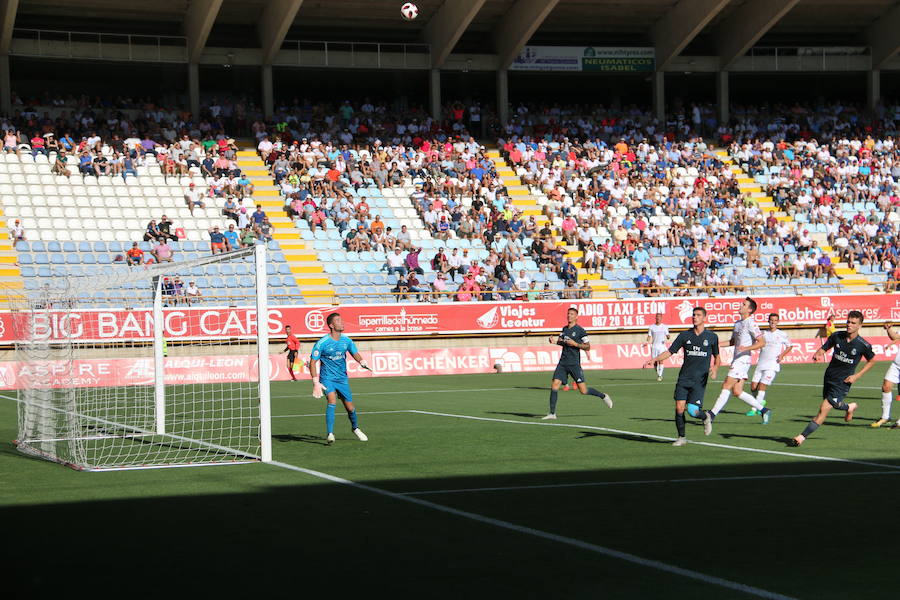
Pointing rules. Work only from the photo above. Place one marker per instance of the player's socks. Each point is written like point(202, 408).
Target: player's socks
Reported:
point(810, 429)
point(749, 399)
point(607, 399)
point(553, 395)
point(659, 370)
point(721, 401)
point(679, 423)
point(886, 405)
point(329, 418)
point(761, 397)
point(352, 416)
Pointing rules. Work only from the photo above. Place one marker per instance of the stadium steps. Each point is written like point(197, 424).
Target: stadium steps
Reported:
point(852, 281)
point(302, 259)
point(519, 194)
point(10, 274)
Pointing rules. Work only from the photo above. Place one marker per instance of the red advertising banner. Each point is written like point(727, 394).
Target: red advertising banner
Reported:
point(450, 318)
point(386, 363)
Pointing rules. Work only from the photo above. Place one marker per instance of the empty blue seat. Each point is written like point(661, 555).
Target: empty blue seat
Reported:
point(103, 259)
point(284, 269)
point(53, 247)
point(38, 247)
point(26, 259)
point(73, 259)
point(231, 282)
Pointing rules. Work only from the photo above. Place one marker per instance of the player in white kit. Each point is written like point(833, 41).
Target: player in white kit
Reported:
point(745, 338)
point(657, 339)
point(891, 378)
point(778, 345)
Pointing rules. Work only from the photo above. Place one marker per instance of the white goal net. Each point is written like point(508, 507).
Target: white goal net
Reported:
point(129, 367)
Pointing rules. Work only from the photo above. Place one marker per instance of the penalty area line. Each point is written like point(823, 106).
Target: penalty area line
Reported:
point(662, 437)
point(545, 535)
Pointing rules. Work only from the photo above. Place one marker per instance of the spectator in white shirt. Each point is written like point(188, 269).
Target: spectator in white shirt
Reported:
point(17, 232)
point(192, 294)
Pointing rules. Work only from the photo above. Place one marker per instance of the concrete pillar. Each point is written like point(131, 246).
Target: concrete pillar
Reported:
point(503, 96)
point(722, 100)
point(194, 89)
point(659, 96)
point(434, 94)
point(5, 86)
point(268, 92)
point(873, 88)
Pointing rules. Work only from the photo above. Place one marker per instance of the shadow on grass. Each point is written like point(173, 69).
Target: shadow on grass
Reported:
point(308, 439)
point(769, 438)
point(622, 436)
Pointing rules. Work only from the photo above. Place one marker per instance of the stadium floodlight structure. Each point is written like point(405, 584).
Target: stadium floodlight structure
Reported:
point(115, 371)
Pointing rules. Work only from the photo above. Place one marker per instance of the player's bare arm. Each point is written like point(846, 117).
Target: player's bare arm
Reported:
point(659, 358)
point(853, 378)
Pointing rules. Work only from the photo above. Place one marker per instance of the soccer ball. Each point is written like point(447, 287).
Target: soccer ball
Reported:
point(409, 11)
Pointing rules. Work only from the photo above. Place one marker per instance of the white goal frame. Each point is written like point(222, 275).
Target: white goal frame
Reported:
point(62, 423)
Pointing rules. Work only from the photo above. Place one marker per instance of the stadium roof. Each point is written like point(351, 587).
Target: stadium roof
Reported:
point(723, 28)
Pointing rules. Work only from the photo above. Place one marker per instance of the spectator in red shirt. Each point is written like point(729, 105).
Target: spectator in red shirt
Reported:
point(292, 347)
point(135, 255)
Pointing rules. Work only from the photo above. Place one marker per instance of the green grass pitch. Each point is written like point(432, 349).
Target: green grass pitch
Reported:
point(500, 505)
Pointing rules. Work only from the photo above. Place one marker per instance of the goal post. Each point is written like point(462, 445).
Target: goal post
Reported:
point(124, 369)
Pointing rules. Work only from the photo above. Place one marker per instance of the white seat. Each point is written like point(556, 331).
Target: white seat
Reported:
point(61, 224)
point(63, 235)
point(107, 235)
point(77, 235)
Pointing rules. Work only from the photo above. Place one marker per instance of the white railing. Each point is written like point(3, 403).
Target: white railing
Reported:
point(48, 43)
point(808, 58)
point(362, 55)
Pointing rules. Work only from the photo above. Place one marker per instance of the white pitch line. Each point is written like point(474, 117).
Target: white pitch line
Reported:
point(645, 482)
point(582, 545)
point(662, 437)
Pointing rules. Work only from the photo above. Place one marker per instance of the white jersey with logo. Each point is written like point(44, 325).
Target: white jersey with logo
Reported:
point(745, 332)
point(658, 336)
point(776, 343)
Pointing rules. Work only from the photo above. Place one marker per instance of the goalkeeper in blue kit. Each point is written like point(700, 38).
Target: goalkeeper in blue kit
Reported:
point(328, 367)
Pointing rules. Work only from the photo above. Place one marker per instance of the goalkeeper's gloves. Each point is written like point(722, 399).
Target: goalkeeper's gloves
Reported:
point(317, 388)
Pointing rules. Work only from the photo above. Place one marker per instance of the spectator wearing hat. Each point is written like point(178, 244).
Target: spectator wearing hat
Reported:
point(193, 198)
point(218, 242)
point(192, 294)
point(134, 256)
point(17, 232)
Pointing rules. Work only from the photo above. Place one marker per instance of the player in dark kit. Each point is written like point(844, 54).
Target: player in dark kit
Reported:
point(699, 347)
point(573, 339)
point(849, 349)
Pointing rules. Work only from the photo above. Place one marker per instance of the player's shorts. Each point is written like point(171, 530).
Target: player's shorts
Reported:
point(740, 368)
point(835, 390)
point(291, 355)
point(341, 387)
point(657, 350)
point(764, 376)
point(893, 374)
point(690, 392)
point(563, 372)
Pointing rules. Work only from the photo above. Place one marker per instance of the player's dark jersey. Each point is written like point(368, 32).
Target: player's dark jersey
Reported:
point(846, 357)
point(698, 349)
point(571, 356)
